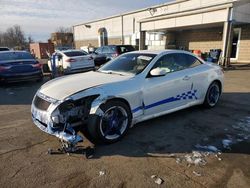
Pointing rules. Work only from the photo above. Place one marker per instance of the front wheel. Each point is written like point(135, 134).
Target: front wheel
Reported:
point(112, 125)
point(213, 95)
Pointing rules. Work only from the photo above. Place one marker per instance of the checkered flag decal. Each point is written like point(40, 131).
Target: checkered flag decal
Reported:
point(187, 95)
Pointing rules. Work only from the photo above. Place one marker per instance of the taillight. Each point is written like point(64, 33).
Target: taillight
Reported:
point(70, 60)
point(3, 68)
point(115, 55)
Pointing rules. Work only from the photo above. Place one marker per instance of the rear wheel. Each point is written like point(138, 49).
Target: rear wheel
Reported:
point(213, 95)
point(113, 124)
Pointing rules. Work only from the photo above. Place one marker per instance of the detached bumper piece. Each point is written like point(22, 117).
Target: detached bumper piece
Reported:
point(68, 139)
point(67, 135)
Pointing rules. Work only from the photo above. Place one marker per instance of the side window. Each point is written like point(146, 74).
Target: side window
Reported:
point(185, 61)
point(105, 50)
point(192, 61)
point(99, 50)
point(113, 49)
point(168, 63)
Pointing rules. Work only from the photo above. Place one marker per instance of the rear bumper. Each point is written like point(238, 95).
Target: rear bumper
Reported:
point(7, 78)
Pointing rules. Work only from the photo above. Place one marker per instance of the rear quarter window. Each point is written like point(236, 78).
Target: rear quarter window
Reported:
point(186, 61)
point(75, 54)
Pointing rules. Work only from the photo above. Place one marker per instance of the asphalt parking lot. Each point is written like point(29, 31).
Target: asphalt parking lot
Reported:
point(158, 147)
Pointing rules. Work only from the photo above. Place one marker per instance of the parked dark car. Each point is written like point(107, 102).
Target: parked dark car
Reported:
point(106, 53)
point(16, 66)
point(4, 49)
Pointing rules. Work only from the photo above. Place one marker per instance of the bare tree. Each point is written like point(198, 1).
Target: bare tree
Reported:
point(64, 29)
point(30, 39)
point(1, 39)
point(14, 37)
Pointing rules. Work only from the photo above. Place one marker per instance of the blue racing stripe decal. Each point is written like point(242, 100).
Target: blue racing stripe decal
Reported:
point(137, 109)
point(184, 96)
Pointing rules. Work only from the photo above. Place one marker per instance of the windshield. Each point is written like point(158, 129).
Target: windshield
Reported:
point(11, 56)
point(133, 63)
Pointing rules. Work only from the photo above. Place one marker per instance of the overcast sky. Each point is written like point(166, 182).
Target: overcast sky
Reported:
point(39, 18)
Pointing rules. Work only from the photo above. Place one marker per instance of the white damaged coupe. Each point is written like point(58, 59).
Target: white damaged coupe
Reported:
point(134, 87)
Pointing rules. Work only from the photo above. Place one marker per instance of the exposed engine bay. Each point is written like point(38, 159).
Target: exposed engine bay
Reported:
point(62, 119)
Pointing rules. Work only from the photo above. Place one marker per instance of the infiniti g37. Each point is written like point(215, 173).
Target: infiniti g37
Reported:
point(132, 88)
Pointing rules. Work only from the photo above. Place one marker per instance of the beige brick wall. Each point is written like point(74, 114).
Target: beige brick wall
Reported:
point(95, 43)
point(79, 44)
point(115, 41)
point(200, 39)
point(244, 50)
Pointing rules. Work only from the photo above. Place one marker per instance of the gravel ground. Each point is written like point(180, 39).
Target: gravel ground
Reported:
point(157, 147)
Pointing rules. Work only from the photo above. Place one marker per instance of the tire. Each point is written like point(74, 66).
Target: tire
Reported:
point(112, 126)
point(213, 95)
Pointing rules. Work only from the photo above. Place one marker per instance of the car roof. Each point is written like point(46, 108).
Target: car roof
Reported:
point(157, 52)
point(72, 50)
point(14, 51)
point(119, 45)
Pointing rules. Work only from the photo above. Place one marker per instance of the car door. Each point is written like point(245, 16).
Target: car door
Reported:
point(167, 92)
point(107, 53)
point(100, 56)
point(197, 72)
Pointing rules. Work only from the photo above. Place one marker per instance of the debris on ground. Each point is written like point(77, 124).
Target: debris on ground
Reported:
point(217, 156)
point(158, 180)
point(153, 176)
point(89, 153)
point(178, 160)
point(197, 173)
point(101, 173)
point(196, 158)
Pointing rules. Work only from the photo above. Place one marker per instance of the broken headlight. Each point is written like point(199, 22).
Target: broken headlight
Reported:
point(72, 111)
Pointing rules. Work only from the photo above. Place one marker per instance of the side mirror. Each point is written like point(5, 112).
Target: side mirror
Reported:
point(157, 72)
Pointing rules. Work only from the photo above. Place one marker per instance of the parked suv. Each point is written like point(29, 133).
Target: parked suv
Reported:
point(106, 53)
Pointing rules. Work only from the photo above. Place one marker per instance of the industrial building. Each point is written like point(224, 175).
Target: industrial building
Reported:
point(182, 24)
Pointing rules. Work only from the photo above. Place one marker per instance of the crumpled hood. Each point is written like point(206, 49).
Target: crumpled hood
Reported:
point(64, 87)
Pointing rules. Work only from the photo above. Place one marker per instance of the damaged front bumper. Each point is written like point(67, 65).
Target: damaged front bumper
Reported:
point(42, 119)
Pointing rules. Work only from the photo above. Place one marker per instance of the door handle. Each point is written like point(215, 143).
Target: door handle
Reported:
point(187, 78)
